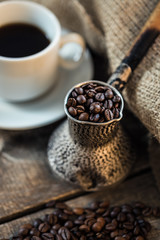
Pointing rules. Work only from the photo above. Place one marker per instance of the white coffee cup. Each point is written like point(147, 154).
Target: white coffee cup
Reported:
point(28, 77)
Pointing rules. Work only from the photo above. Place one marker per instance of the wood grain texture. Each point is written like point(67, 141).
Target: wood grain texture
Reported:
point(26, 181)
point(141, 188)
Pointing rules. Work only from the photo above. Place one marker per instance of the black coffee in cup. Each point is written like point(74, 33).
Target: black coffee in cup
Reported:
point(21, 40)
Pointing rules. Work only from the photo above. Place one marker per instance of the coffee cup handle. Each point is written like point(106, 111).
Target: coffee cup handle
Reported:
point(76, 59)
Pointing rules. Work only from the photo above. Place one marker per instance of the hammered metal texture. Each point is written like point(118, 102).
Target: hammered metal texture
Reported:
point(90, 166)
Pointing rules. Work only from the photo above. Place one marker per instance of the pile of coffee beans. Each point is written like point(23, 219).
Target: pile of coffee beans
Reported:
point(94, 103)
point(98, 221)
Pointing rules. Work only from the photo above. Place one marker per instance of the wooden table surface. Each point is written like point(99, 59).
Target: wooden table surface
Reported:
point(26, 182)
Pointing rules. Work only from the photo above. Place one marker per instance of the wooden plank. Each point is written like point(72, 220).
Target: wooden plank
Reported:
point(141, 188)
point(26, 182)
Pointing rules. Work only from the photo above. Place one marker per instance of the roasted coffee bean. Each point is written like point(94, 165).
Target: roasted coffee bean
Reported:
point(37, 222)
point(136, 230)
point(23, 231)
point(72, 111)
point(156, 212)
point(53, 232)
point(56, 227)
point(100, 210)
point(80, 109)
point(74, 94)
point(116, 113)
point(65, 233)
point(52, 219)
point(36, 238)
point(116, 99)
point(90, 215)
point(101, 120)
point(128, 225)
point(121, 217)
point(68, 211)
point(116, 105)
point(57, 237)
point(17, 238)
point(97, 227)
point(91, 93)
point(79, 90)
point(100, 97)
point(114, 234)
point(101, 220)
point(140, 238)
point(147, 212)
point(109, 94)
point(81, 217)
point(26, 238)
point(57, 212)
point(130, 217)
point(83, 116)
point(120, 238)
point(108, 115)
point(99, 89)
point(47, 236)
point(137, 211)
point(89, 221)
point(89, 102)
point(115, 212)
point(126, 208)
point(111, 227)
point(94, 205)
point(110, 104)
point(27, 226)
point(81, 99)
point(108, 219)
point(106, 213)
point(84, 228)
point(95, 107)
point(35, 232)
point(83, 237)
point(139, 205)
point(94, 117)
point(78, 222)
point(71, 102)
point(69, 224)
point(43, 227)
point(63, 216)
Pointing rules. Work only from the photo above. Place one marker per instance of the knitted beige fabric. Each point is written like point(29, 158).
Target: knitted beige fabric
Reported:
point(109, 27)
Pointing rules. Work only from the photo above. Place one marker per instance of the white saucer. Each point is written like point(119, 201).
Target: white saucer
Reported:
point(49, 108)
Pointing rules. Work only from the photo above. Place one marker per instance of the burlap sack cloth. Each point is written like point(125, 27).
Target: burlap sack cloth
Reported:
point(109, 27)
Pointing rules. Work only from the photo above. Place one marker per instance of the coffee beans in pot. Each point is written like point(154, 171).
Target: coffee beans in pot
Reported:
point(98, 221)
point(94, 103)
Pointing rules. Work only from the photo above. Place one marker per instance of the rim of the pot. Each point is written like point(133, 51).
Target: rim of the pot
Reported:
point(93, 123)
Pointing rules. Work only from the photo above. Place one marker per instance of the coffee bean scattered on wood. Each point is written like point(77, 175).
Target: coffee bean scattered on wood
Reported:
point(98, 221)
point(94, 103)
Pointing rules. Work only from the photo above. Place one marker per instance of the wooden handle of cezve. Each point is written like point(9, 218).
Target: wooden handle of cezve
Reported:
point(137, 51)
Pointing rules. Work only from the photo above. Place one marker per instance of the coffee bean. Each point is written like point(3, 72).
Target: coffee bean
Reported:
point(36, 238)
point(89, 221)
point(108, 115)
point(83, 237)
point(83, 116)
point(79, 90)
point(147, 212)
point(94, 205)
point(115, 212)
point(121, 217)
point(23, 231)
point(52, 219)
point(47, 236)
point(114, 234)
point(109, 94)
point(78, 222)
point(68, 211)
point(120, 238)
point(80, 109)
point(91, 93)
point(100, 210)
point(63, 216)
point(81, 99)
point(140, 238)
point(100, 97)
point(27, 226)
point(126, 208)
point(116, 105)
point(26, 238)
point(57, 237)
point(43, 227)
point(137, 211)
point(128, 225)
point(53, 232)
point(71, 102)
point(65, 233)
point(116, 113)
point(56, 227)
point(35, 232)
point(97, 227)
point(101, 220)
point(110, 104)
point(89, 102)
point(94, 117)
point(116, 99)
point(72, 111)
point(95, 108)
point(69, 224)
point(74, 94)
point(84, 228)
point(37, 222)
point(101, 120)
point(91, 215)
point(130, 217)
point(110, 227)
point(156, 212)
